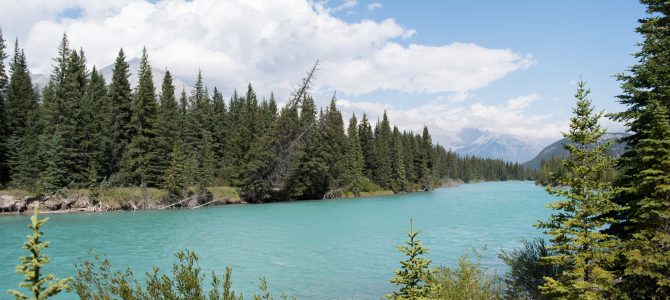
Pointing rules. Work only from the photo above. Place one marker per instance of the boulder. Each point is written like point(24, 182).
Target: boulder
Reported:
point(8, 203)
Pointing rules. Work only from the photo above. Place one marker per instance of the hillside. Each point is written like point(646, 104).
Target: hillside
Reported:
point(556, 149)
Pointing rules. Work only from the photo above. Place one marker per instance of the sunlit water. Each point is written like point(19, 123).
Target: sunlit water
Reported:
point(332, 249)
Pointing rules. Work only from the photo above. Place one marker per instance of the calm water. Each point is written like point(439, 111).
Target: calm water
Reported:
point(334, 249)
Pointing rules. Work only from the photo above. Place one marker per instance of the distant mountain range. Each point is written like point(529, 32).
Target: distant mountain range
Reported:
point(487, 144)
point(41, 80)
point(556, 149)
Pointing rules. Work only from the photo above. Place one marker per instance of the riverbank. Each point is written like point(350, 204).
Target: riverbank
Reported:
point(15, 201)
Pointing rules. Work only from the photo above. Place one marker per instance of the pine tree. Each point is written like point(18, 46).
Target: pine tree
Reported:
point(121, 110)
point(367, 146)
point(4, 168)
point(140, 159)
point(647, 247)
point(383, 144)
point(426, 160)
point(54, 176)
point(353, 159)
point(414, 272)
point(168, 123)
point(580, 248)
point(40, 286)
point(643, 183)
point(97, 143)
point(23, 128)
point(220, 132)
point(399, 183)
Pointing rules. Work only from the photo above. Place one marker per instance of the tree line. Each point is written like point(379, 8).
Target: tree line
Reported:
point(80, 132)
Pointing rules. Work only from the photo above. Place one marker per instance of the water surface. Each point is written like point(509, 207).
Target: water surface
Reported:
point(328, 249)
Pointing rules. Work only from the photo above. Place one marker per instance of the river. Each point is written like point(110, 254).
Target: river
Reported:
point(326, 249)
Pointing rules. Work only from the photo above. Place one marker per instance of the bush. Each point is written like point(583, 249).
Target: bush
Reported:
point(469, 281)
point(96, 281)
point(527, 271)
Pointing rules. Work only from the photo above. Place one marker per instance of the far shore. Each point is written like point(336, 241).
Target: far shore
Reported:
point(14, 202)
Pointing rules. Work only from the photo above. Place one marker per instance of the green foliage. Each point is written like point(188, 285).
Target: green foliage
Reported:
point(527, 270)
point(96, 280)
point(579, 247)
point(4, 170)
point(39, 286)
point(643, 185)
point(139, 163)
point(469, 281)
point(414, 275)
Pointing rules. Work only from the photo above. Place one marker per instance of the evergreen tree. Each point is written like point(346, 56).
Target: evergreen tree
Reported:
point(175, 179)
point(121, 110)
point(367, 146)
point(414, 272)
point(353, 159)
point(647, 249)
point(643, 184)
point(168, 123)
point(383, 144)
point(399, 183)
point(220, 131)
point(580, 248)
point(425, 159)
point(140, 160)
point(4, 168)
point(97, 141)
point(23, 126)
point(40, 286)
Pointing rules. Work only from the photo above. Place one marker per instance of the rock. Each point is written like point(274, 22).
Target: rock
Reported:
point(80, 202)
point(8, 203)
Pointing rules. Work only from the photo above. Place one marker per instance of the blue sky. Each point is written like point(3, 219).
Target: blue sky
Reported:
point(592, 40)
point(508, 67)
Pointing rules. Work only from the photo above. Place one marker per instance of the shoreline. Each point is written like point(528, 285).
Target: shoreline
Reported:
point(80, 203)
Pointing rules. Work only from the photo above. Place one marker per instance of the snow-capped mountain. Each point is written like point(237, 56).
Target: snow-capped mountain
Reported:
point(41, 80)
point(488, 144)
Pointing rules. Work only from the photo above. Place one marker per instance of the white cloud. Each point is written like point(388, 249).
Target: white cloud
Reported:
point(521, 102)
point(445, 119)
point(268, 43)
point(346, 4)
point(374, 5)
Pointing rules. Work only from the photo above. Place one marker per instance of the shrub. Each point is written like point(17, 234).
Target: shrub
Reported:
point(527, 270)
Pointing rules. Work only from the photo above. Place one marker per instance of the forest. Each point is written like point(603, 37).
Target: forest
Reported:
point(80, 132)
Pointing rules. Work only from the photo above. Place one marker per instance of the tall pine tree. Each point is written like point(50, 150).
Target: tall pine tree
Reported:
point(140, 165)
point(643, 185)
point(580, 248)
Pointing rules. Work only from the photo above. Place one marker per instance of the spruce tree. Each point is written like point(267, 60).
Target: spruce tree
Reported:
point(168, 123)
point(383, 143)
point(643, 191)
point(220, 131)
point(121, 110)
point(398, 180)
point(353, 159)
point(579, 247)
point(97, 143)
point(647, 249)
point(4, 168)
point(40, 286)
point(140, 165)
point(414, 273)
point(23, 126)
point(367, 146)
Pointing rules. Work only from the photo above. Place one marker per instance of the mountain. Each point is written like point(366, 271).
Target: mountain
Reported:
point(488, 144)
point(556, 149)
point(41, 80)
point(158, 74)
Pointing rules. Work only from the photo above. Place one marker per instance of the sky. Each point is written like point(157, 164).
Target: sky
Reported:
point(509, 67)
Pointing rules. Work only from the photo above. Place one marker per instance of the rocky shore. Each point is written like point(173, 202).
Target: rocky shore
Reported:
point(82, 203)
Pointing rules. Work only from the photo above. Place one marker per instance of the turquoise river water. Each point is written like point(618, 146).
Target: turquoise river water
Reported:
point(328, 249)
